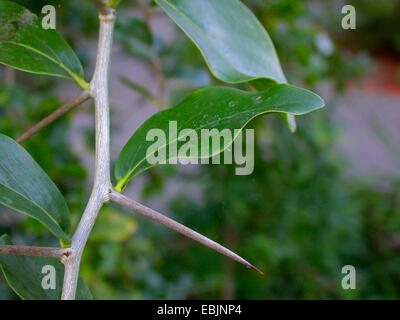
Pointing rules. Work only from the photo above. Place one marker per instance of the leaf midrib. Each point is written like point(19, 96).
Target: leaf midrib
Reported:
point(60, 64)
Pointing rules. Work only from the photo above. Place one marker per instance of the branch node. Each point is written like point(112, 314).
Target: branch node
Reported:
point(103, 7)
point(67, 253)
point(107, 16)
point(107, 197)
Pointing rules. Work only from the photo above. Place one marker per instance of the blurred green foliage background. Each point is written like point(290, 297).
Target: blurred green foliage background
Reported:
point(299, 217)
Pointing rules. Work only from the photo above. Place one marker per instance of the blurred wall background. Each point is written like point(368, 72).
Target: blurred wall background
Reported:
point(319, 199)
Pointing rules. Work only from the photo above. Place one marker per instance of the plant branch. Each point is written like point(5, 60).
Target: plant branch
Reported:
point(57, 253)
point(102, 189)
point(168, 222)
point(102, 184)
point(79, 99)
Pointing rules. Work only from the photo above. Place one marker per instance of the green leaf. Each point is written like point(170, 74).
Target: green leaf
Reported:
point(24, 275)
point(26, 46)
point(235, 45)
point(263, 84)
point(137, 87)
point(136, 37)
point(233, 42)
point(112, 226)
point(210, 108)
point(26, 188)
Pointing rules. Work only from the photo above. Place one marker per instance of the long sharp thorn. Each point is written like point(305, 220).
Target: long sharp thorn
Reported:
point(172, 224)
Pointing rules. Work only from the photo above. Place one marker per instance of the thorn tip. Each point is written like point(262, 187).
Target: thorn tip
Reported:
point(255, 269)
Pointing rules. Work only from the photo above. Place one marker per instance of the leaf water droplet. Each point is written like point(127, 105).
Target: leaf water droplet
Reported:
point(257, 99)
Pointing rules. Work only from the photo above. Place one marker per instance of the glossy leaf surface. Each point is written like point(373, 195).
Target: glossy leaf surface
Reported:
point(209, 108)
point(26, 188)
point(231, 39)
point(233, 42)
point(25, 45)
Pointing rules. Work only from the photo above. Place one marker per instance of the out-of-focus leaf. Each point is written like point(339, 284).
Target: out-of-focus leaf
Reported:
point(26, 188)
point(180, 60)
point(26, 46)
point(113, 226)
point(198, 77)
point(137, 87)
point(136, 37)
point(24, 276)
point(209, 108)
point(176, 95)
